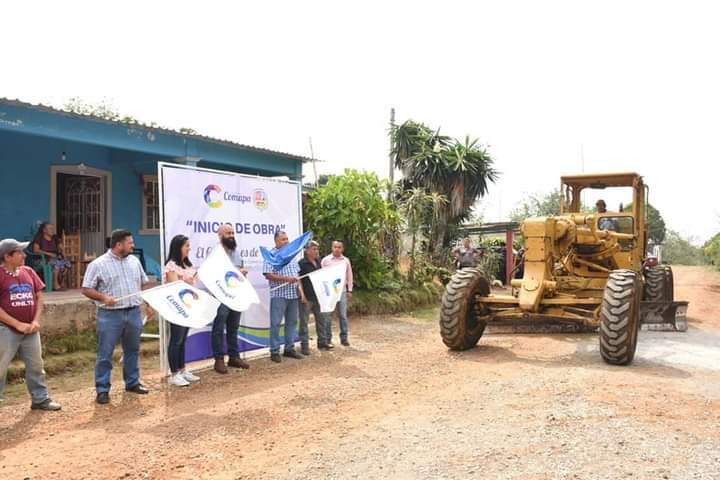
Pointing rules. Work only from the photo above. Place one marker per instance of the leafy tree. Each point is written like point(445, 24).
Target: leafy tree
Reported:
point(680, 251)
point(655, 223)
point(711, 249)
point(107, 111)
point(414, 206)
point(537, 205)
point(461, 171)
point(352, 208)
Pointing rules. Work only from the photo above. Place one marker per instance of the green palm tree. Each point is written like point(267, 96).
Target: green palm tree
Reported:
point(459, 171)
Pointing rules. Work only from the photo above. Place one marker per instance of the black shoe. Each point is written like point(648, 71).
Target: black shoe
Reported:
point(292, 354)
point(322, 346)
point(275, 357)
point(345, 343)
point(47, 405)
point(140, 389)
point(103, 398)
point(305, 350)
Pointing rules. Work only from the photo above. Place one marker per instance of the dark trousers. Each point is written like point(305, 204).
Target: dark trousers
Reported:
point(176, 347)
point(226, 321)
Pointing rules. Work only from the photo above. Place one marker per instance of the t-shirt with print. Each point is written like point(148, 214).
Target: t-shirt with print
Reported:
point(18, 293)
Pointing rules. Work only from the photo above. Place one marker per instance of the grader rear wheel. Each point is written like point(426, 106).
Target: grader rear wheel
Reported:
point(659, 284)
point(620, 317)
point(462, 320)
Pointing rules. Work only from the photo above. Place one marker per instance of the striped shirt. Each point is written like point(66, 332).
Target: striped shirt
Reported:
point(116, 277)
point(287, 290)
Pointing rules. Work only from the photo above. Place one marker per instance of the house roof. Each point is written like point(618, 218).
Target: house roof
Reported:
point(204, 138)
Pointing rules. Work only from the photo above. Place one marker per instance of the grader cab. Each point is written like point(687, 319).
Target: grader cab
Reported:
point(580, 268)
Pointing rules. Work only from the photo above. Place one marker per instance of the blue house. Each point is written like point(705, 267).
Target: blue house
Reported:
point(88, 175)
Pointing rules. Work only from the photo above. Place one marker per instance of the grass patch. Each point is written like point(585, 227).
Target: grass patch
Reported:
point(78, 360)
point(401, 300)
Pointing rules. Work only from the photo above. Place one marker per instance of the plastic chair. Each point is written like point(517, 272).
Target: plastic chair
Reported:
point(38, 262)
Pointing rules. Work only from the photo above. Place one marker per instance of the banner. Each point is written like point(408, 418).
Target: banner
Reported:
point(226, 283)
point(182, 304)
point(329, 284)
point(196, 201)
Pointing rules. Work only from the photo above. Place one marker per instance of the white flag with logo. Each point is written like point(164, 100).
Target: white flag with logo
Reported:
point(226, 283)
point(329, 284)
point(182, 304)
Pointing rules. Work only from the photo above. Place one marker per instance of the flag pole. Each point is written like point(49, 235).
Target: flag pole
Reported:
point(125, 297)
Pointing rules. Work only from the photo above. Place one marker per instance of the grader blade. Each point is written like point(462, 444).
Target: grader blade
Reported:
point(664, 316)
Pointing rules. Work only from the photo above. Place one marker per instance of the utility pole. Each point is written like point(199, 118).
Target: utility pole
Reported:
point(312, 156)
point(392, 160)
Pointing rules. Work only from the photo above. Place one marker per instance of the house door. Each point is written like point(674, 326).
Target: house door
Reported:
point(81, 208)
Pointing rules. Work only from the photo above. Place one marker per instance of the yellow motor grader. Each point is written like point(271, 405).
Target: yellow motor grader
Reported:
point(580, 268)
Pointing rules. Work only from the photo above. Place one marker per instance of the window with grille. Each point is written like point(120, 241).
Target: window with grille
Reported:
point(151, 205)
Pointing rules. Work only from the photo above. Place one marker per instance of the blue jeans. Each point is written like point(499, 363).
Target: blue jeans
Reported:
point(279, 308)
point(176, 347)
point(228, 321)
point(341, 310)
point(321, 324)
point(30, 351)
point(112, 326)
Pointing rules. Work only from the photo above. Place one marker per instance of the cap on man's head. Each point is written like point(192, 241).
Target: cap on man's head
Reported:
point(10, 245)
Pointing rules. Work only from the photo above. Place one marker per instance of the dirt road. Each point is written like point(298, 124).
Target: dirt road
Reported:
point(397, 404)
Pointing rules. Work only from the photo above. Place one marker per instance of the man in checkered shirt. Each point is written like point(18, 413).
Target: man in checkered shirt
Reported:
point(284, 302)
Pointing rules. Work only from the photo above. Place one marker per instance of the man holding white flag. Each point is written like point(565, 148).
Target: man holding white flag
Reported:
point(223, 275)
point(336, 258)
point(309, 302)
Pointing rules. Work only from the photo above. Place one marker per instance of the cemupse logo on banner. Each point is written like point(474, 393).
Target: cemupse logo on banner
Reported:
point(196, 202)
point(214, 196)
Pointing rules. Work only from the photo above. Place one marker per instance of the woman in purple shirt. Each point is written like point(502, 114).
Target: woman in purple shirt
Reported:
point(48, 244)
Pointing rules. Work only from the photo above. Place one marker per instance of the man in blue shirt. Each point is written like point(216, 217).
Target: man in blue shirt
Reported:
point(284, 302)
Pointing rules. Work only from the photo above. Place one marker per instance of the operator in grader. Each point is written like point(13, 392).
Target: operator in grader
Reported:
point(580, 268)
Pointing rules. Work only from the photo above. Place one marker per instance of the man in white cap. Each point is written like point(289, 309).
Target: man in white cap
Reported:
point(21, 305)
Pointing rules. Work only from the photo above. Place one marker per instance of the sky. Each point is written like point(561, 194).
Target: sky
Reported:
point(551, 88)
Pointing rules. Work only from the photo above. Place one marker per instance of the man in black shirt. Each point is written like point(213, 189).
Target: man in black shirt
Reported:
point(309, 303)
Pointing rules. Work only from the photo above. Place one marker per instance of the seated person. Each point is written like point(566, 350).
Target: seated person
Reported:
point(605, 223)
point(48, 244)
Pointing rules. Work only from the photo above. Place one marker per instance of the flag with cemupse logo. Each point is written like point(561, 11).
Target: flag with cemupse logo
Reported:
point(182, 304)
point(329, 284)
point(226, 283)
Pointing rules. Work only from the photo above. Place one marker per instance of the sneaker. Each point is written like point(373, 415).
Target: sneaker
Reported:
point(47, 405)
point(178, 380)
point(188, 375)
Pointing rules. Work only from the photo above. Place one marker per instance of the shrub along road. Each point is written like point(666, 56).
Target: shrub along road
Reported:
point(397, 404)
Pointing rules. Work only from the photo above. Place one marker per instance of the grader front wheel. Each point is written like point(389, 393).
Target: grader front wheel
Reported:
point(620, 317)
point(462, 319)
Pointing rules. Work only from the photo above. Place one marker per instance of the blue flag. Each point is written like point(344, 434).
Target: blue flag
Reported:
point(283, 256)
